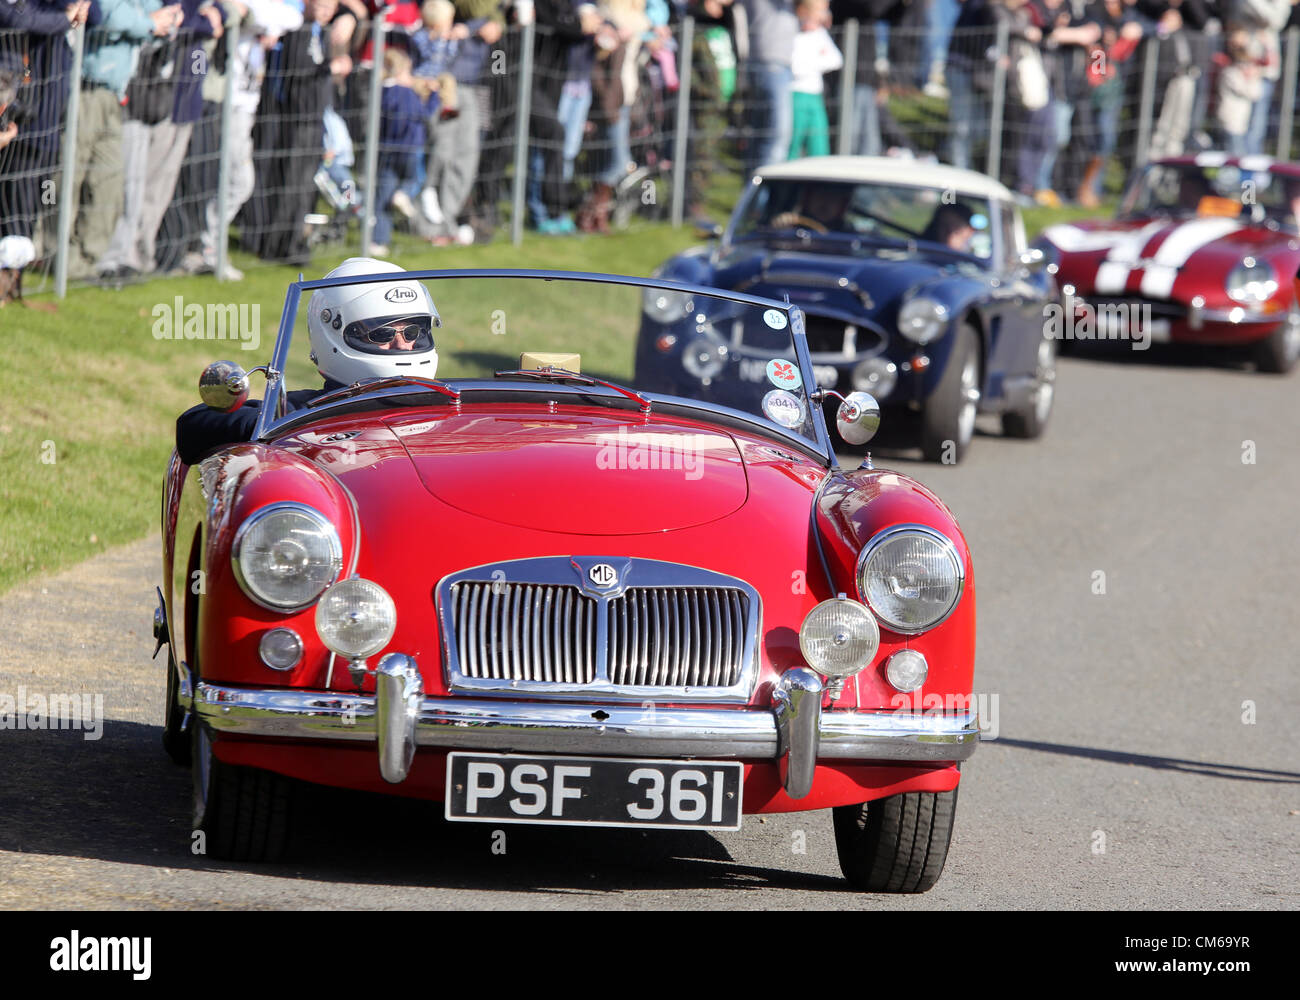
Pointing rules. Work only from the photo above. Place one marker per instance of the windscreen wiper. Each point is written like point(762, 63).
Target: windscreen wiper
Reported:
point(552, 374)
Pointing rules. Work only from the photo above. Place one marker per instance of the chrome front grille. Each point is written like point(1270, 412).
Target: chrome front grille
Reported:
point(677, 637)
point(524, 631)
point(649, 629)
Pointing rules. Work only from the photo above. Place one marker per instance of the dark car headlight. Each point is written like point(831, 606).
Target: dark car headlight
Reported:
point(285, 555)
point(1252, 282)
point(922, 319)
point(664, 306)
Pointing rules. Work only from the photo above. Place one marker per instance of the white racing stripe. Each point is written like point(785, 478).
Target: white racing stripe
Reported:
point(1177, 249)
point(1112, 274)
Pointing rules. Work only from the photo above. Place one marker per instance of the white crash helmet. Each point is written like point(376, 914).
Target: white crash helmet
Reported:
point(372, 330)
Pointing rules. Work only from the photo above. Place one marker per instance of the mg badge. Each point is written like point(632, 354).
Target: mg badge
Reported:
point(603, 575)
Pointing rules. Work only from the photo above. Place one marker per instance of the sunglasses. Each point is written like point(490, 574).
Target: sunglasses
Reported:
point(381, 336)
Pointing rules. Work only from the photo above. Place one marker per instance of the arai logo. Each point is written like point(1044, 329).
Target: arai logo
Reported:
point(400, 294)
point(603, 575)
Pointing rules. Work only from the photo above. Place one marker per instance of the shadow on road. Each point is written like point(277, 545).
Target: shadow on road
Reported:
point(120, 799)
point(1231, 771)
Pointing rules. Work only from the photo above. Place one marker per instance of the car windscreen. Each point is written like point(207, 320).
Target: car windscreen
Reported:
point(895, 212)
point(1226, 190)
point(653, 339)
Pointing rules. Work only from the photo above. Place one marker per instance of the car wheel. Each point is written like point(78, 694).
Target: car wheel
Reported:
point(1032, 420)
point(948, 422)
point(895, 844)
point(1278, 353)
point(243, 813)
point(175, 737)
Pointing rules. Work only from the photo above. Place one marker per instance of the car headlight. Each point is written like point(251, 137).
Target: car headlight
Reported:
point(704, 357)
point(839, 637)
point(921, 319)
point(286, 554)
point(1252, 282)
point(664, 306)
point(877, 376)
point(355, 618)
point(911, 577)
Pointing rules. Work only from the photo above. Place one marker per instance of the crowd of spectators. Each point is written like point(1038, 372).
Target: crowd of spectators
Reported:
point(296, 74)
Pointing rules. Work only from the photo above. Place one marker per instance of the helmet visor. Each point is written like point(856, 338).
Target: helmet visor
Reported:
point(383, 334)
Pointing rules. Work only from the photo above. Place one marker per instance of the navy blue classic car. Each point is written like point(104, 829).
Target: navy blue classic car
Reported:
point(914, 283)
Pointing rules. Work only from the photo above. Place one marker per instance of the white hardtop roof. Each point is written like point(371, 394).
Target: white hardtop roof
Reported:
point(889, 169)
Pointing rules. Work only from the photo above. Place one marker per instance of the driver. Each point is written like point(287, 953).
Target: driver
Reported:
point(824, 204)
point(952, 226)
point(357, 332)
point(1192, 190)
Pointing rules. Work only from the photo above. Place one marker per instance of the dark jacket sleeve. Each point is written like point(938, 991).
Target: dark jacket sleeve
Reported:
point(200, 429)
point(30, 16)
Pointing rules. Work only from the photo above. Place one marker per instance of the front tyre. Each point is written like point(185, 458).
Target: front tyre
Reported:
point(243, 813)
point(895, 844)
point(948, 422)
point(1031, 421)
point(1277, 353)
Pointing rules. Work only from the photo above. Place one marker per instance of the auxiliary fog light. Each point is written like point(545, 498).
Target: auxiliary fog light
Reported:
point(280, 649)
point(355, 618)
point(907, 670)
point(839, 637)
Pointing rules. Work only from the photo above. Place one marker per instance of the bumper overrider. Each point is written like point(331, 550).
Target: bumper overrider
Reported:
point(794, 732)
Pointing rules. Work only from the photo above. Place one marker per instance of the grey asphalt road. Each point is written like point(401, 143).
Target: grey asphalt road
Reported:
point(1145, 753)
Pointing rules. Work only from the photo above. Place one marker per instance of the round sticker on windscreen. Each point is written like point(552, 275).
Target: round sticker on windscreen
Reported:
point(774, 318)
point(784, 408)
point(784, 374)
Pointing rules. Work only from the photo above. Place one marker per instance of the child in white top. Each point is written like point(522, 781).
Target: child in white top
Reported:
point(815, 55)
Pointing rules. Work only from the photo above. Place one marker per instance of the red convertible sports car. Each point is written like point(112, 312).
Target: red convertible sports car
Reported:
point(538, 594)
point(1204, 250)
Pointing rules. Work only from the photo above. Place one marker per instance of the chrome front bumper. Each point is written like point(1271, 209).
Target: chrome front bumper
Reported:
point(795, 732)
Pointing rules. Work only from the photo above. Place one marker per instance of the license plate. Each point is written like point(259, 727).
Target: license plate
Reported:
point(594, 791)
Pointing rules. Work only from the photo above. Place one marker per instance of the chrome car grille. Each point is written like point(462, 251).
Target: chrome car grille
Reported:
point(524, 631)
point(677, 636)
point(540, 627)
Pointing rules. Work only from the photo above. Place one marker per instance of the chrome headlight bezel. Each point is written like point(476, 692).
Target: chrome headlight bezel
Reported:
point(1252, 282)
point(922, 319)
point(882, 538)
point(249, 586)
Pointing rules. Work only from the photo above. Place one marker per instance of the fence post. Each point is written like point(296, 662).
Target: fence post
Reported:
point(848, 82)
point(999, 100)
point(683, 122)
point(372, 131)
point(1146, 109)
point(67, 195)
point(230, 39)
point(1288, 82)
point(523, 109)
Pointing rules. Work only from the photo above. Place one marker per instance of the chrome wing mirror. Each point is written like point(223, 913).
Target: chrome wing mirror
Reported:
point(224, 385)
point(858, 418)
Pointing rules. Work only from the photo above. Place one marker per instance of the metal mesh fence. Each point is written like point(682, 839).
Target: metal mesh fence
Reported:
point(281, 146)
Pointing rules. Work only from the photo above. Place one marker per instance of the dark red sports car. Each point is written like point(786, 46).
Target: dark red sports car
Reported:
point(1204, 250)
